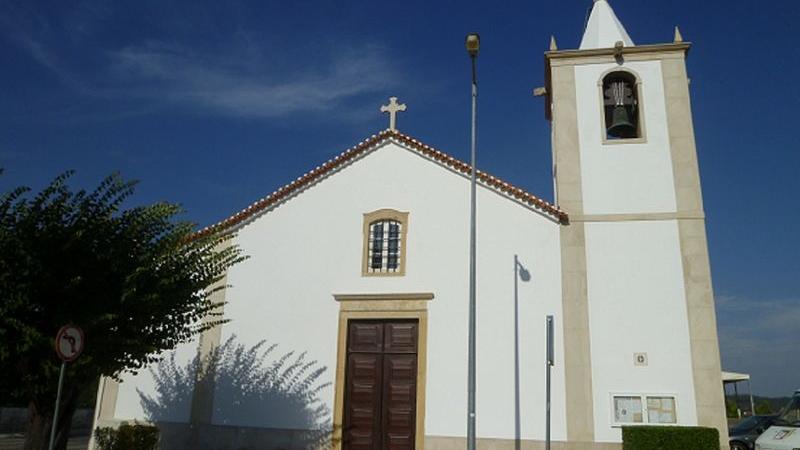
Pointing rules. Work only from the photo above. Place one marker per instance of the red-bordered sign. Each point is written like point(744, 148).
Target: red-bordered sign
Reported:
point(69, 343)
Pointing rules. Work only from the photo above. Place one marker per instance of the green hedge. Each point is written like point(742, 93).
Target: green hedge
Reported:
point(127, 437)
point(669, 438)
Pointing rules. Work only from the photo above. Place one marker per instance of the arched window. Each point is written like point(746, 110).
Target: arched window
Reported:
point(621, 106)
point(385, 234)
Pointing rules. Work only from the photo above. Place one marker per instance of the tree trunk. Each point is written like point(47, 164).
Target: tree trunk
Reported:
point(36, 438)
point(40, 421)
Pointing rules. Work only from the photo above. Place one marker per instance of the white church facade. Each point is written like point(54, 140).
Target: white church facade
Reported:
point(360, 267)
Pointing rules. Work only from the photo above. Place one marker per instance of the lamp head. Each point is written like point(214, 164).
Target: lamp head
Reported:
point(473, 44)
point(524, 274)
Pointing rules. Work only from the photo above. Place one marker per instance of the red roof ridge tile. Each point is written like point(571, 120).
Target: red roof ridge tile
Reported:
point(363, 147)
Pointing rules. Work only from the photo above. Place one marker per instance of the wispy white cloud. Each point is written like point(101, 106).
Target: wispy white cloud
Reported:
point(226, 86)
point(763, 339)
point(239, 74)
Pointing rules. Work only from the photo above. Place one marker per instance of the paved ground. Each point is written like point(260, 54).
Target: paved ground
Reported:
point(15, 442)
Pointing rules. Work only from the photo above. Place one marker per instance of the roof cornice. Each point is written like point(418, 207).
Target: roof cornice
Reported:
point(484, 178)
point(366, 146)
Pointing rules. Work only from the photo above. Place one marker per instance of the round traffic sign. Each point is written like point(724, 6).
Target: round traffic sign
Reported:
point(69, 343)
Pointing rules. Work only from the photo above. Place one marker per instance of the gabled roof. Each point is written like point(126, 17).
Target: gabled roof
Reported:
point(369, 145)
point(604, 29)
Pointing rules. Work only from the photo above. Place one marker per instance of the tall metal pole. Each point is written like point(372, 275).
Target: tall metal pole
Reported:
point(517, 414)
point(472, 257)
point(550, 362)
point(58, 401)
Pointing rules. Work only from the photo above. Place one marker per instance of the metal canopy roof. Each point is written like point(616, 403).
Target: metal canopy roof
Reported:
point(733, 377)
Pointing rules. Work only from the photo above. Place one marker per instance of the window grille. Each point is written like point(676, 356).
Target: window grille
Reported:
point(385, 236)
point(384, 246)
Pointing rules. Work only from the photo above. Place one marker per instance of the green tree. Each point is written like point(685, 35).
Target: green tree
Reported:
point(138, 281)
point(763, 408)
point(732, 409)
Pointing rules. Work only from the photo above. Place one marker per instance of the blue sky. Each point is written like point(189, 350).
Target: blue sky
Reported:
point(215, 104)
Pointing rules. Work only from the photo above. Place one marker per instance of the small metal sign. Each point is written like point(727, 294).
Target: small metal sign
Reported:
point(551, 352)
point(551, 361)
point(69, 343)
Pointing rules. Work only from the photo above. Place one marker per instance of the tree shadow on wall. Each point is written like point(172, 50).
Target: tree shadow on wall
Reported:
point(253, 387)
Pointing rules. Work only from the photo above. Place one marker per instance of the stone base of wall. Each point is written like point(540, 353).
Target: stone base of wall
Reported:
point(184, 436)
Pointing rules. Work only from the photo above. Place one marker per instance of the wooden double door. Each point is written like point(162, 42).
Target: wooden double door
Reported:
point(380, 398)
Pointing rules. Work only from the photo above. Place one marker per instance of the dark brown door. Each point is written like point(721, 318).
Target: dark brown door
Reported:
point(380, 398)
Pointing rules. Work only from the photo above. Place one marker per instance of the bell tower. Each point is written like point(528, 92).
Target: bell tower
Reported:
point(636, 277)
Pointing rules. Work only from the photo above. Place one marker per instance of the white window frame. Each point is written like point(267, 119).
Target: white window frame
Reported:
point(645, 415)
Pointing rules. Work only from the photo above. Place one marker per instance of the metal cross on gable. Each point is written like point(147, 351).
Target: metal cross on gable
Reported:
point(393, 108)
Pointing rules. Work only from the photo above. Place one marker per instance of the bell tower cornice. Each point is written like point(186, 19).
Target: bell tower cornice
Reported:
point(642, 51)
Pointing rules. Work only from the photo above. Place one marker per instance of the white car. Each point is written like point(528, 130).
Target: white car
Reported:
point(785, 433)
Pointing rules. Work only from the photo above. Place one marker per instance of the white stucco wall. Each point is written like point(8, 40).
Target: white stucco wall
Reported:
point(624, 178)
point(129, 405)
point(310, 248)
point(637, 305)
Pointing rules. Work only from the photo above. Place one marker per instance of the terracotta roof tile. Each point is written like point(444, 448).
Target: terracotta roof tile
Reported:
point(364, 147)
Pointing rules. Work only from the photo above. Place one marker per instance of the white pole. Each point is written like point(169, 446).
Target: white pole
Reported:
point(736, 396)
point(58, 400)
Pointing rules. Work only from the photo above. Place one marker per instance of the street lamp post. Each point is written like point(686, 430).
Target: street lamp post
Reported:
point(473, 45)
point(551, 361)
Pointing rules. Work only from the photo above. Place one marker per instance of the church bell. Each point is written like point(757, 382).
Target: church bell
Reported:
point(622, 125)
point(620, 103)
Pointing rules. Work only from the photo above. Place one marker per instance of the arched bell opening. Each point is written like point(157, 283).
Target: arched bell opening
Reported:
point(621, 106)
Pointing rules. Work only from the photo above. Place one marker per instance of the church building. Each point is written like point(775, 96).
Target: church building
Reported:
point(347, 326)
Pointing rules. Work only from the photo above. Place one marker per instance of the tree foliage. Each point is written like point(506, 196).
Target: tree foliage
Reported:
point(127, 437)
point(138, 281)
point(763, 408)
